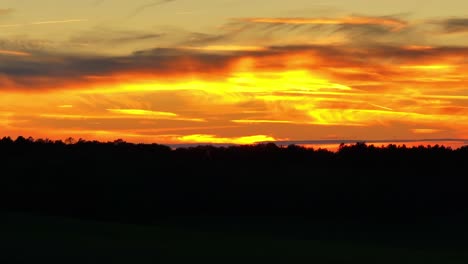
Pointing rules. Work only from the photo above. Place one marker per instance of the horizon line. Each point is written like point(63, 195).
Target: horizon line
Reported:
point(326, 142)
point(295, 142)
point(348, 141)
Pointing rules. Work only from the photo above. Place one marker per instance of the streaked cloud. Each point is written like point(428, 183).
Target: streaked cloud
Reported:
point(262, 121)
point(454, 25)
point(381, 107)
point(44, 23)
point(58, 21)
point(148, 5)
point(392, 23)
point(141, 112)
point(107, 37)
point(154, 114)
point(425, 130)
point(14, 53)
point(207, 138)
point(226, 48)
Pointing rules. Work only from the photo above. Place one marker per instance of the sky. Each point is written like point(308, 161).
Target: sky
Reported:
point(234, 71)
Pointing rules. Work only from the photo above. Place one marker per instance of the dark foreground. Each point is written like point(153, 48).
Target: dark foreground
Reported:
point(115, 202)
point(32, 238)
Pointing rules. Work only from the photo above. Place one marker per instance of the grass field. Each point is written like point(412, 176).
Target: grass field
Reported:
point(31, 238)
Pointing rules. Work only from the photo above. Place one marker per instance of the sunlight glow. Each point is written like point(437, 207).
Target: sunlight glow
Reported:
point(435, 67)
point(202, 138)
point(140, 112)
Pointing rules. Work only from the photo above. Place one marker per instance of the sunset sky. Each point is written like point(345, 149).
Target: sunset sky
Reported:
point(234, 71)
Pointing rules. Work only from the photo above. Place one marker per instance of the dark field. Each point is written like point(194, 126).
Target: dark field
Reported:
point(116, 202)
point(31, 238)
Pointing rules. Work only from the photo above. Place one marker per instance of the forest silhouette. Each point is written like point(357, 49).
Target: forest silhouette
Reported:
point(147, 183)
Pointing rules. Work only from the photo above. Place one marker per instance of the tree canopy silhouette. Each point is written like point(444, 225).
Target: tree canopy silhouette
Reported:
point(122, 181)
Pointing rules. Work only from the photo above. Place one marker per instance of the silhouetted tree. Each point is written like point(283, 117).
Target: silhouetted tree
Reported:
point(122, 181)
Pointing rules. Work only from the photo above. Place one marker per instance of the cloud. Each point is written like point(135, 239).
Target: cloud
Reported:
point(14, 53)
point(369, 65)
point(352, 30)
point(44, 23)
point(58, 21)
point(153, 114)
point(5, 11)
point(425, 130)
point(142, 112)
point(455, 25)
point(142, 8)
point(112, 37)
point(27, 45)
point(214, 48)
point(391, 23)
point(48, 70)
point(379, 63)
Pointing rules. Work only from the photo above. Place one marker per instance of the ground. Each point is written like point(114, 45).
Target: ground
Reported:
point(34, 238)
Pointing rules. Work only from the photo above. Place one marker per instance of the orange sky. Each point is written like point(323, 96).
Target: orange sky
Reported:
point(250, 79)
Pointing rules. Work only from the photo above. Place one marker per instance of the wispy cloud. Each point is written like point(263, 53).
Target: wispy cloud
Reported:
point(381, 107)
point(141, 112)
point(455, 25)
point(425, 130)
point(45, 22)
point(14, 53)
point(58, 21)
point(392, 23)
point(225, 48)
point(263, 121)
point(353, 30)
point(151, 4)
point(112, 37)
point(154, 114)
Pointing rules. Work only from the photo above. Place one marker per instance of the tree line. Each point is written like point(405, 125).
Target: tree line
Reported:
point(144, 183)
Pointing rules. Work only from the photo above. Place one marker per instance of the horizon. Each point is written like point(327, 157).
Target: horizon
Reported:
point(328, 144)
point(225, 72)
